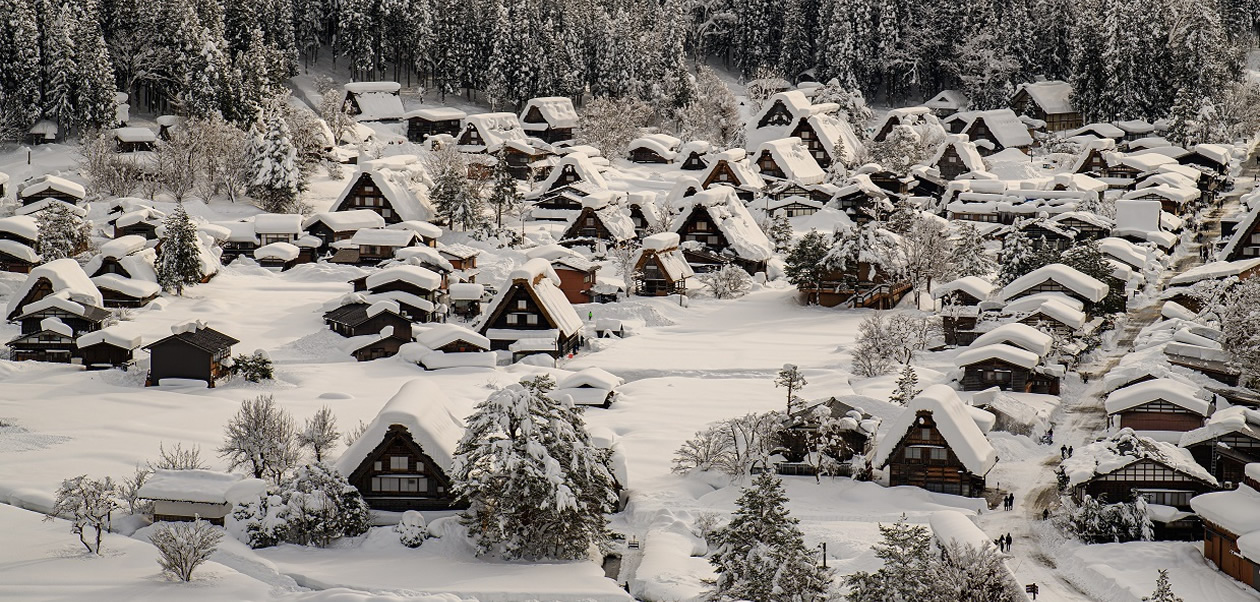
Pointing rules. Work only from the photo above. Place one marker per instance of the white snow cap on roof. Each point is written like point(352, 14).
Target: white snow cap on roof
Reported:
point(1125, 448)
point(113, 335)
point(440, 335)
point(597, 378)
point(199, 486)
point(1005, 126)
point(47, 182)
point(954, 423)
point(972, 285)
point(1000, 351)
point(376, 100)
point(67, 279)
point(24, 226)
point(556, 111)
point(661, 241)
point(383, 237)
point(421, 407)
point(412, 274)
point(438, 114)
point(135, 134)
point(386, 305)
point(1177, 195)
point(18, 250)
point(953, 527)
point(1071, 278)
point(791, 156)
point(57, 326)
point(424, 229)
point(282, 251)
point(278, 223)
point(132, 287)
point(731, 217)
point(466, 291)
point(1169, 390)
point(361, 87)
point(662, 144)
point(1021, 335)
point(948, 100)
point(533, 269)
point(1054, 97)
point(1214, 271)
point(123, 246)
point(496, 129)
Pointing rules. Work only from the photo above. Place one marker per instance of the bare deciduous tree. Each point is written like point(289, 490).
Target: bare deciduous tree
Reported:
point(87, 504)
point(261, 437)
point(182, 547)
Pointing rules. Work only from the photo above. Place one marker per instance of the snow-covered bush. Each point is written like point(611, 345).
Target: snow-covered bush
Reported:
point(129, 492)
point(1094, 521)
point(182, 547)
point(729, 282)
point(253, 368)
point(87, 504)
point(262, 521)
point(315, 506)
point(411, 529)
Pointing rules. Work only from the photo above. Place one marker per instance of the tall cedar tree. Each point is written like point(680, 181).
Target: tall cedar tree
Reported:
point(805, 265)
point(179, 265)
point(277, 179)
point(536, 486)
point(504, 196)
point(792, 379)
point(907, 386)
point(761, 553)
point(62, 233)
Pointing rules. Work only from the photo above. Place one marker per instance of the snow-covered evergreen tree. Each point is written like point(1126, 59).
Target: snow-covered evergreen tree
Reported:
point(908, 572)
point(907, 387)
point(761, 553)
point(62, 232)
point(1019, 255)
point(791, 378)
point(322, 506)
point(779, 231)
point(179, 264)
point(1163, 590)
point(714, 114)
point(805, 265)
point(536, 486)
point(968, 257)
point(411, 529)
point(276, 177)
point(504, 194)
point(456, 203)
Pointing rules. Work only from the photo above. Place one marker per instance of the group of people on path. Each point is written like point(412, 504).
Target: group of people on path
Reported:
point(1065, 451)
point(1008, 501)
point(1003, 543)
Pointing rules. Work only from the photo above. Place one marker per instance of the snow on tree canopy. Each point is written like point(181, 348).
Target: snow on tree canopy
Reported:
point(972, 285)
point(732, 219)
point(421, 407)
point(282, 251)
point(556, 112)
point(1020, 335)
point(1125, 448)
point(199, 486)
point(953, 527)
point(411, 274)
point(1174, 392)
point(51, 182)
point(113, 335)
point(794, 160)
point(954, 423)
point(999, 351)
point(1070, 278)
point(68, 280)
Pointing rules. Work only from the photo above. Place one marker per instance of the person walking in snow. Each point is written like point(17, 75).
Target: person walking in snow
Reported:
point(1069, 451)
point(1008, 542)
point(1063, 451)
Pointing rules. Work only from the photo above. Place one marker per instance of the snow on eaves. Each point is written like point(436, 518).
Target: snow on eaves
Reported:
point(421, 407)
point(591, 377)
point(794, 160)
point(441, 335)
point(954, 423)
point(972, 285)
point(1071, 278)
point(1021, 335)
point(1125, 448)
point(346, 221)
point(999, 351)
point(556, 112)
point(1237, 419)
point(1054, 97)
point(954, 527)
point(1237, 511)
point(18, 250)
point(113, 335)
point(1214, 271)
point(411, 274)
point(732, 219)
point(1172, 391)
point(51, 182)
point(131, 287)
point(664, 145)
point(22, 226)
point(198, 486)
point(66, 278)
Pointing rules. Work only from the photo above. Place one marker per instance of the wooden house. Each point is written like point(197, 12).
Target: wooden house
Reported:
point(45, 131)
point(1006, 367)
point(51, 341)
point(715, 228)
point(1226, 444)
point(859, 285)
point(45, 187)
point(590, 387)
point(19, 239)
point(107, 348)
point(433, 121)
point(488, 132)
point(387, 188)
point(861, 199)
point(193, 351)
point(907, 116)
point(464, 299)
point(1171, 199)
point(854, 428)
point(575, 171)
point(195, 494)
point(62, 278)
point(998, 130)
point(1048, 101)
point(134, 139)
point(461, 257)
point(1126, 464)
point(782, 110)
point(731, 169)
point(934, 443)
point(403, 459)
point(947, 102)
point(654, 148)
point(417, 290)
point(603, 219)
point(334, 226)
point(692, 155)
point(1160, 404)
point(822, 134)
point(374, 245)
point(385, 343)
point(956, 157)
point(122, 291)
point(577, 274)
point(373, 101)
point(788, 159)
point(1231, 528)
point(359, 319)
point(143, 221)
point(551, 118)
point(1087, 225)
point(660, 267)
point(1056, 278)
point(531, 314)
point(960, 300)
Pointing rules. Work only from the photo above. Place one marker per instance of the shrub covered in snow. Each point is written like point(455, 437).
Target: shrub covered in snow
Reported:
point(732, 446)
point(729, 282)
point(315, 506)
point(411, 529)
point(1094, 521)
point(182, 547)
point(253, 368)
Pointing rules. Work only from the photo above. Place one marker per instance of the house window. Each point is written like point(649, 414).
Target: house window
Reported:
point(925, 434)
point(369, 188)
point(398, 462)
point(702, 226)
point(938, 453)
point(713, 240)
point(512, 318)
point(522, 304)
point(415, 484)
point(590, 221)
point(531, 319)
point(376, 466)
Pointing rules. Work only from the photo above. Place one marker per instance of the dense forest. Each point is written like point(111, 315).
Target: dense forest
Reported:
point(63, 59)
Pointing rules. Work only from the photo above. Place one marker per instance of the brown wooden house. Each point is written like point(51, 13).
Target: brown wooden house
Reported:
point(434, 121)
point(386, 343)
point(854, 428)
point(359, 319)
point(1048, 101)
point(107, 348)
point(377, 190)
point(62, 278)
point(1160, 404)
point(960, 307)
point(193, 351)
point(935, 444)
point(19, 239)
point(1007, 367)
point(551, 118)
point(50, 187)
point(532, 313)
point(51, 341)
point(404, 458)
point(1231, 534)
point(660, 268)
point(1226, 444)
point(715, 221)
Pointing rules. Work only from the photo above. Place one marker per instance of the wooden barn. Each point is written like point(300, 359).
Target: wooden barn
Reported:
point(434, 121)
point(1048, 101)
point(403, 460)
point(997, 130)
point(726, 232)
point(577, 274)
point(532, 315)
point(654, 148)
point(1231, 528)
point(194, 351)
point(51, 341)
point(660, 268)
point(1160, 404)
point(551, 119)
point(854, 428)
point(489, 132)
point(693, 155)
point(956, 157)
point(416, 290)
point(45, 187)
point(935, 443)
point(107, 348)
point(385, 343)
point(1056, 278)
point(603, 219)
point(373, 101)
point(731, 169)
point(121, 291)
point(187, 495)
point(134, 139)
point(788, 159)
point(359, 319)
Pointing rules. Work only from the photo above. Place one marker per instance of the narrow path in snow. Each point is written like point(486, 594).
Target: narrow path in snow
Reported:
point(1079, 420)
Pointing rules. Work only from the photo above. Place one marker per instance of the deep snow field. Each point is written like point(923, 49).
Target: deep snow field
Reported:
point(685, 367)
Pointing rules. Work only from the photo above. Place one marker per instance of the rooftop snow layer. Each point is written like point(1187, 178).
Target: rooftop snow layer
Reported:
point(1214, 271)
point(1069, 277)
point(200, 486)
point(1000, 351)
point(65, 276)
point(1125, 448)
point(412, 274)
point(421, 407)
point(1020, 335)
point(1174, 392)
point(954, 423)
point(972, 285)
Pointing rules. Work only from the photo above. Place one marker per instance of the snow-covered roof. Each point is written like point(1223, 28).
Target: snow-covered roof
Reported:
point(831, 130)
point(496, 129)
point(791, 156)
point(135, 134)
point(440, 335)
point(132, 287)
point(556, 111)
point(1235, 419)
point(951, 527)
point(438, 114)
point(905, 116)
point(402, 180)
point(421, 407)
point(113, 335)
point(423, 228)
point(1176, 195)
point(376, 100)
point(1214, 271)
point(67, 279)
point(1071, 278)
point(1125, 448)
point(345, 221)
point(1020, 335)
point(278, 223)
point(538, 275)
point(1054, 97)
point(948, 100)
point(1136, 126)
point(282, 251)
point(581, 165)
point(732, 219)
point(199, 486)
point(465, 291)
point(383, 237)
point(954, 423)
point(51, 182)
point(999, 351)
point(972, 285)
point(1172, 391)
point(591, 377)
point(1102, 130)
point(23, 226)
point(665, 246)
point(123, 246)
point(1005, 127)
point(964, 148)
point(424, 255)
point(18, 250)
point(411, 274)
point(1237, 510)
point(662, 144)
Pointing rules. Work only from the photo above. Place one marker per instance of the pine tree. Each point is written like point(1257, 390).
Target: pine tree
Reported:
point(20, 69)
point(277, 180)
point(761, 553)
point(94, 75)
point(62, 233)
point(806, 263)
point(454, 200)
point(1018, 255)
point(504, 195)
point(968, 257)
point(796, 52)
point(1163, 590)
point(536, 486)
point(791, 378)
point(907, 386)
point(780, 233)
point(179, 264)
point(908, 572)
